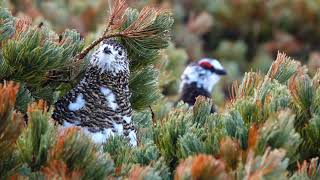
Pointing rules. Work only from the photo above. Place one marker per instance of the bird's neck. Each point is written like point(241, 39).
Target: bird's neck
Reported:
point(109, 79)
point(191, 91)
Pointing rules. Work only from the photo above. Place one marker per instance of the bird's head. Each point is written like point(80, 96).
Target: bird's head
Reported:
point(111, 56)
point(205, 74)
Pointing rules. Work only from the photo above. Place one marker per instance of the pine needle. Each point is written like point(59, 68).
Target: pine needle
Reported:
point(283, 68)
point(139, 27)
point(150, 30)
point(117, 13)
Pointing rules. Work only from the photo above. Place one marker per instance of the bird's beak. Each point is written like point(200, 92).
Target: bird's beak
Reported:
point(220, 72)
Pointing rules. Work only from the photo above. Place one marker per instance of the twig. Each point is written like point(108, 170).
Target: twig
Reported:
point(131, 34)
point(84, 52)
point(137, 29)
point(117, 10)
point(153, 117)
point(109, 20)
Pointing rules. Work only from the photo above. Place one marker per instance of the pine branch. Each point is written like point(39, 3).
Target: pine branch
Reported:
point(201, 167)
point(7, 24)
point(235, 127)
point(35, 58)
point(301, 89)
point(80, 154)
point(120, 151)
point(190, 144)
point(168, 132)
point(307, 170)
point(230, 153)
point(310, 147)
point(24, 97)
point(272, 165)
point(144, 97)
point(141, 173)
point(144, 26)
point(117, 13)
point(58, 170)
point(155, 170)
point(201, 110)
point(143, 34)
point(39, 136)
point(86, 50)
point(278, 132)
point(315, 107)
point(145, 154)
point(11, 126)
point(283, 68)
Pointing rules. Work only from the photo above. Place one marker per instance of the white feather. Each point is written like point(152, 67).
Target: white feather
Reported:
point(118, 128)
point(133, 138)
point(107, 61)
point(99, 137)
point(66, 124)
point(203, 78)
point(110, 97)
point(127, 119)
point(78, 104)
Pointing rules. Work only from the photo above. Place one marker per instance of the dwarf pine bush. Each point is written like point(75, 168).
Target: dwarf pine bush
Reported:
point(269, 129)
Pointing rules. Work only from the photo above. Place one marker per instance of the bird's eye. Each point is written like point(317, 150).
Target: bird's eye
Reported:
point(107, 50)
point(120, 53)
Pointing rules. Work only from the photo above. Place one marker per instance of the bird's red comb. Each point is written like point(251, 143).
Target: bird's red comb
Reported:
point(205, 65)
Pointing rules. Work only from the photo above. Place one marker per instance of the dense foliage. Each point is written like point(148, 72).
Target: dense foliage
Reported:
point(269, 129)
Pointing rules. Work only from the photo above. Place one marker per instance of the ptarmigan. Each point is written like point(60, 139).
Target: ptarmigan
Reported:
point(198, 79)
point(100, 104)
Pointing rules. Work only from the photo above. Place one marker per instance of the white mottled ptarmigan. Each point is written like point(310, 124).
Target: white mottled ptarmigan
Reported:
point(199, 78)
point(100, 103)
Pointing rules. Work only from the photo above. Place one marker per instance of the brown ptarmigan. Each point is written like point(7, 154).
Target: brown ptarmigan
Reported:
point(100, 103)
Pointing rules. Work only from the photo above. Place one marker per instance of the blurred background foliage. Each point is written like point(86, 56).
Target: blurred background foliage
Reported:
point(244, 34)
point(268, 125)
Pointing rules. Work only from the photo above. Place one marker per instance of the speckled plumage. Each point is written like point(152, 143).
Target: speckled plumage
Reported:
point(198, 79)
point(100, 102)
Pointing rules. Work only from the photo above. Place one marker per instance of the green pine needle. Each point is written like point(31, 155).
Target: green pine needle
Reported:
point(7, 24)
